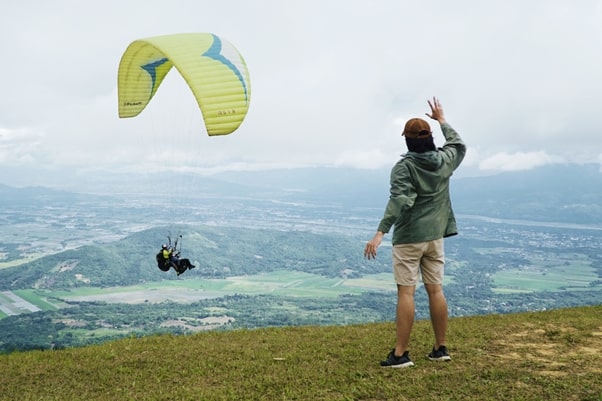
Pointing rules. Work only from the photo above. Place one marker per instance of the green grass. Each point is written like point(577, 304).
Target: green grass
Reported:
point(553, 355)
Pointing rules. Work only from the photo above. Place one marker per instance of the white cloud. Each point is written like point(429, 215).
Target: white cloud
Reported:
point(19, 146)
point(368, 159)
point(333, 82)
point(517, 161)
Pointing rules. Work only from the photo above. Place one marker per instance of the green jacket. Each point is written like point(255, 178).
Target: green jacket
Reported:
point(419, 205)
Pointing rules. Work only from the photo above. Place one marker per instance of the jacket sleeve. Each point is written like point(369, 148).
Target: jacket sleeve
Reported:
point(402, 197)
point(454, 149)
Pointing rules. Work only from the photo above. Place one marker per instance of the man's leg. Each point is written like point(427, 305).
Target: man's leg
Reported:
point(176, 266)
point(438, 310)
point(404, 318)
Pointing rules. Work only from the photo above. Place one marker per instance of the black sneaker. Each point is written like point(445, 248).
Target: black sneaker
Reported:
point(439, 355)
point(393, 361)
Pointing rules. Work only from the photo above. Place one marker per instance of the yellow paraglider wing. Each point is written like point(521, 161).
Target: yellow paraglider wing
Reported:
point(213, 69)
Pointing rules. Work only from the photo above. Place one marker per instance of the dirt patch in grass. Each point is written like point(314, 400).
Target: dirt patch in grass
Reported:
point(550, 350)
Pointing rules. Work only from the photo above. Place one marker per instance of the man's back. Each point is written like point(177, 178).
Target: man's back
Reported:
point(419, 205)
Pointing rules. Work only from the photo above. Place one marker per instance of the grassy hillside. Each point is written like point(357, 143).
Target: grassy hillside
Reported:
point(553, 355)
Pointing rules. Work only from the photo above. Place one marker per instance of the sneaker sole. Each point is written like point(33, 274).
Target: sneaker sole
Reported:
point(401, 365)
point(440, 359)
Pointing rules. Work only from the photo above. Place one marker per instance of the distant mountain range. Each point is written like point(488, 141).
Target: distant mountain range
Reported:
point(560, 193)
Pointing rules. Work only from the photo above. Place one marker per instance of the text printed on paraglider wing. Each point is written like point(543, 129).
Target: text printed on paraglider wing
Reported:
point(226, 112)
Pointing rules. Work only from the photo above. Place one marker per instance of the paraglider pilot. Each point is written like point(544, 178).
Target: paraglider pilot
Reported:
point(169, 257)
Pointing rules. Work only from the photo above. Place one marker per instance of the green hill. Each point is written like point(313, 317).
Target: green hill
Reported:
point(218, 251)
point(552, 355)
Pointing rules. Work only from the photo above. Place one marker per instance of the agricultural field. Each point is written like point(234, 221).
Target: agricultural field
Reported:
point(23, 301)
point(554, 272)
point(279, 283)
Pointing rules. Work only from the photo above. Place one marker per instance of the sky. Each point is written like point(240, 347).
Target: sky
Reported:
point(333, 82)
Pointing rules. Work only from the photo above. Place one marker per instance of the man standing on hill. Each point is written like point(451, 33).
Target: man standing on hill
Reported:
point(420, 210)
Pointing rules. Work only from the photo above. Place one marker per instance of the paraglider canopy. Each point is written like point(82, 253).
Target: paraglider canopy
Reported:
point(213, 69)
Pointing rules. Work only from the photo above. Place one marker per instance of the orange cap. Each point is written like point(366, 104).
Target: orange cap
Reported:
point(417, 128)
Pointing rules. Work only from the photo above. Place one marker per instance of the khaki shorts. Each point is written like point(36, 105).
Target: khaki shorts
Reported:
point(426, 257)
